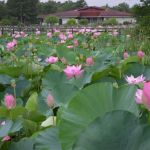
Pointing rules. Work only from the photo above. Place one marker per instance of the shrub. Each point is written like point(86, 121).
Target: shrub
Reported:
point(83, 22)
point(51, 20)
point(71, 22)
point(111, 21)
point(5, 22)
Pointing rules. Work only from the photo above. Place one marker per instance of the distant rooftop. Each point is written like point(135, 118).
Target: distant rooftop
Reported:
point(91, 11)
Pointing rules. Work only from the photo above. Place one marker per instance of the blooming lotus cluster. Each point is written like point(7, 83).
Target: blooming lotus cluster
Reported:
point(9, 101)
point(73, 71)
point(19, 35)
point(11, 45)
point(51, 60)
point(132, 80)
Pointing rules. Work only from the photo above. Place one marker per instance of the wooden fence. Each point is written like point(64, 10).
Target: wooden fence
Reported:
point(44, 29)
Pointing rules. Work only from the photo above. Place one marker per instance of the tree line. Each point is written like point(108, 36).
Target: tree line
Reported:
point(26, 11)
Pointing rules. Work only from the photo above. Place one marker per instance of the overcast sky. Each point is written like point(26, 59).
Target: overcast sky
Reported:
point(104, 2)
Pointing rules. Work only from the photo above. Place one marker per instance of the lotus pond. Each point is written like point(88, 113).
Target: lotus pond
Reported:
point(80, 91)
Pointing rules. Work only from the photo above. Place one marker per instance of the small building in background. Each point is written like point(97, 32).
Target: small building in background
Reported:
point(93, 15)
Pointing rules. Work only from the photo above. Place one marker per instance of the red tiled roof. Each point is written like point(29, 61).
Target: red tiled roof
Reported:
point(90, 12)
point(115, 13)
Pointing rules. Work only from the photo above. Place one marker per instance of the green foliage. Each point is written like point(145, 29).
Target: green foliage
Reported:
point(51, 20)
point(142, 13)
point(95, 102)
point(71, 22)
point(120, 129)
point(111, 21)
point(9, 21)
point(122, 7)
point(83, 22)
point(25, 11)
point(4, 22)
point(89, 111)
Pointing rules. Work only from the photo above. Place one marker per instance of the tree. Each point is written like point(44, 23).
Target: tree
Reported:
point(122, 7)
point(142, 12)
point(3, 10)
point(23, 10)
point(51, 20)
point(80, 4)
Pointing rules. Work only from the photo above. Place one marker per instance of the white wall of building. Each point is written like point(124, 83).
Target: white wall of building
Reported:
point(64, 20)
point(122, 20)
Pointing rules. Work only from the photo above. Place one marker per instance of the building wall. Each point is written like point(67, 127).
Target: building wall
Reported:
point(121, 20)
point(64, 20)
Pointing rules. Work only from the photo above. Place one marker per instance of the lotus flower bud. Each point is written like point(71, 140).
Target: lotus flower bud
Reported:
point(140, 54)
point(89, 61)
point(50, 100)
point(10, 101)
point(125, 55)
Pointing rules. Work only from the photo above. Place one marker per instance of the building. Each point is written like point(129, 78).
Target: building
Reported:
point(93, 14)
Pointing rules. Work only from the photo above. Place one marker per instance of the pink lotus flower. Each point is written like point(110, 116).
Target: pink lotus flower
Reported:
point(125, 55)
point(73, 71)
point(70, 36)
point(17, 35)
point(49, 34)
point(37, 32)
point(51, 60)
point(62, 37)
point(14, 41)
point(70, 46)
point(133, 80)
point(10, 101)
point(50, 100)
point(96, 34)
point(146, 95)
point(140, 54)
point(138, 96)
point(89, 61)
point(10, 45)
point(75, 42)
point(6, 138)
